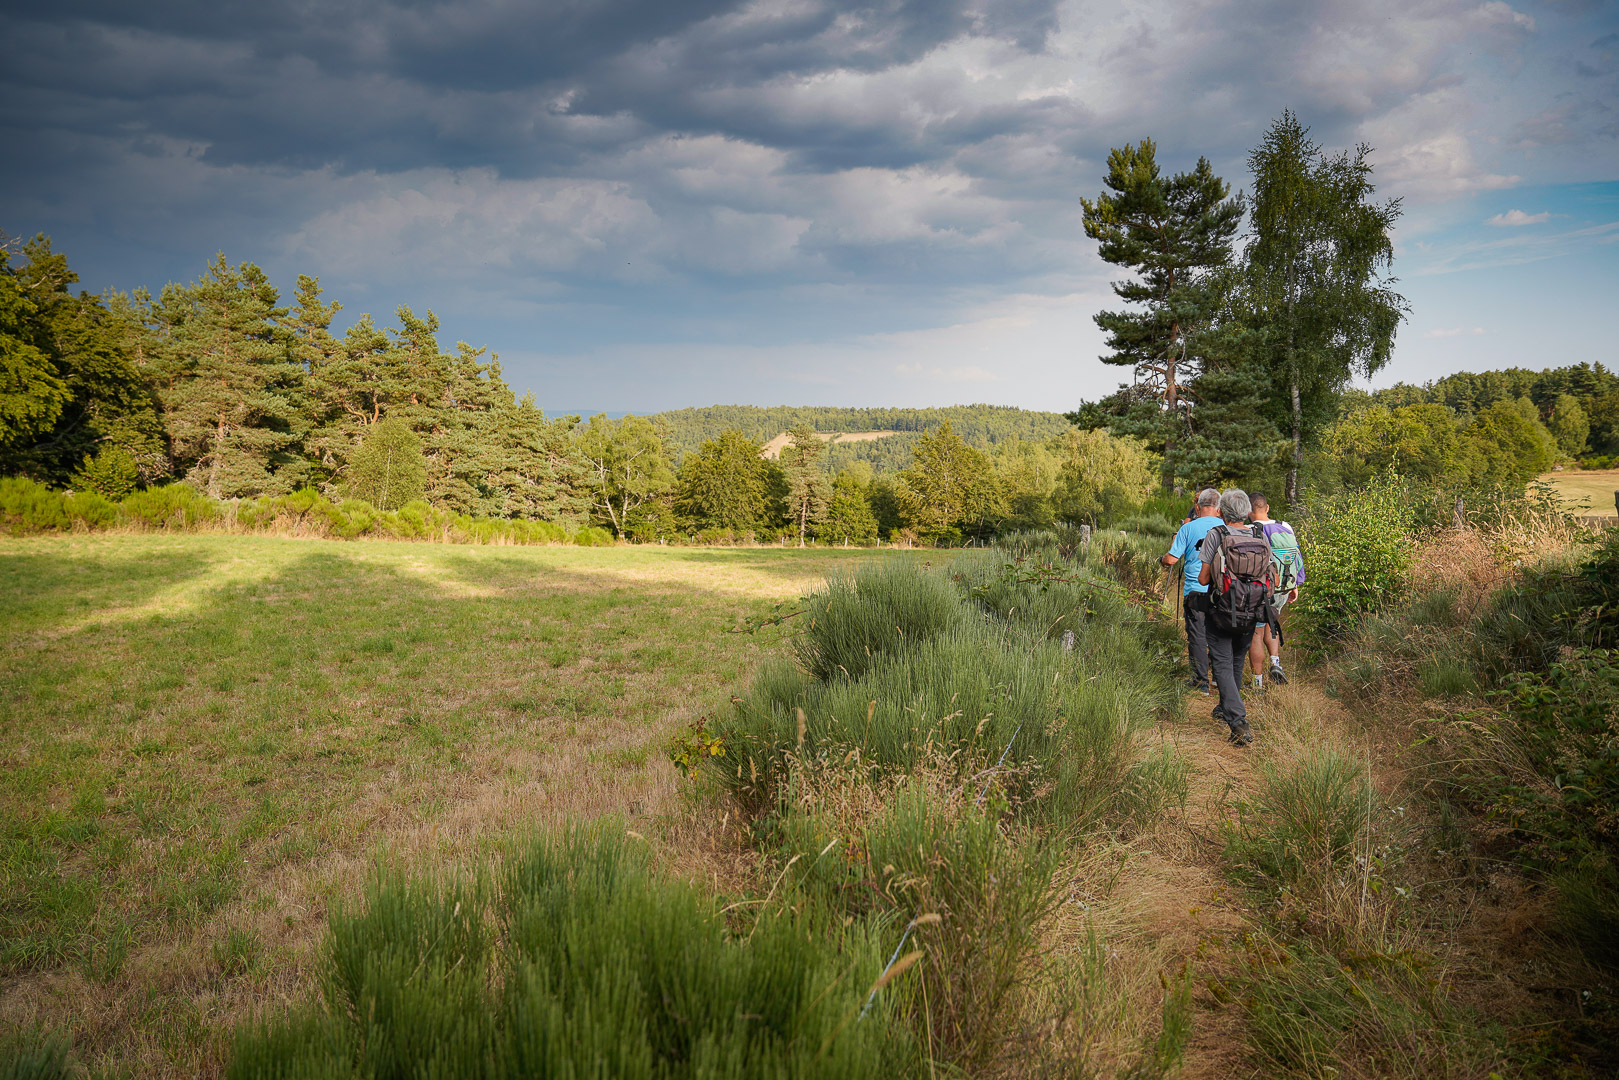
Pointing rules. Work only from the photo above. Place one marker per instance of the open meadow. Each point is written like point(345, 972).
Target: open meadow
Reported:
point(209, 738)
point(1587, 492)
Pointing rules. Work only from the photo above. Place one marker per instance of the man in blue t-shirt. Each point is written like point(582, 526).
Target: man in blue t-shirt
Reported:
point(1196, 596)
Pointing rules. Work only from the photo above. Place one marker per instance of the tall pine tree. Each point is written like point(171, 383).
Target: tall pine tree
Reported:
point(1175, 236)
point(809, 489)
point(228, 384)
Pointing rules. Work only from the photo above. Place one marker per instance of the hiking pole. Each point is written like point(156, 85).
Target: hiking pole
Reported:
point(882, 980)
point(998, 764)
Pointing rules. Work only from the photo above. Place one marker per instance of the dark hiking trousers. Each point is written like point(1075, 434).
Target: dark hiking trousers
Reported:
point(1228, 657)
point(1196, 607)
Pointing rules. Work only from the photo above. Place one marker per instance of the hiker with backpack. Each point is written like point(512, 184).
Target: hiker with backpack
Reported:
point(1239, 576)
point(1288, 564)
point(1194, 592)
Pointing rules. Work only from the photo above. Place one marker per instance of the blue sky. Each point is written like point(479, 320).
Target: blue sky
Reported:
point(644, 204)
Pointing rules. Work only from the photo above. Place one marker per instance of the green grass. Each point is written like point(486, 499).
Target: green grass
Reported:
point(207, 736)
point(1588, 492)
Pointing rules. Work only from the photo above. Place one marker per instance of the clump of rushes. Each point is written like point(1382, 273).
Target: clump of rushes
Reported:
point(1315, 1015)
point(579, 960)
point(1307, 819)
point(937, 871)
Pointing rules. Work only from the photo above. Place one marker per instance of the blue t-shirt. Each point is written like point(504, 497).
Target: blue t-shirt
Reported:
point(1185, 548)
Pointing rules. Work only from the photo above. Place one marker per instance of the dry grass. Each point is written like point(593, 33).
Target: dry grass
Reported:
point(210, 738)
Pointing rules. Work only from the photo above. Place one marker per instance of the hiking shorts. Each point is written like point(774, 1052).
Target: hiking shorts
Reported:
point(1277, 603)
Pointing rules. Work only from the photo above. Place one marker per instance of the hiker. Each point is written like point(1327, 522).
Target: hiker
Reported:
point(1288, 565)
point(1237, 571)
point(1195, 592)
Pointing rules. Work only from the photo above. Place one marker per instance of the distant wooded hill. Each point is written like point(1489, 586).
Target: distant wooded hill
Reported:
point(979, 425)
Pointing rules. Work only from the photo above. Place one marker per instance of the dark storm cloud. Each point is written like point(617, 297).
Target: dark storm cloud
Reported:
point(523, 88)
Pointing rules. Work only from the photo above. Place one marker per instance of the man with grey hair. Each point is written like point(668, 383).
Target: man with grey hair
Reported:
point(1237, 571)
point(1195, 593)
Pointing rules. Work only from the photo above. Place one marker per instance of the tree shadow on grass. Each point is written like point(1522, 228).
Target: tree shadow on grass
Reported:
point(42, 589)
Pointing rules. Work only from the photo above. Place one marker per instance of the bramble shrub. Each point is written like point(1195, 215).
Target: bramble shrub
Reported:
point(1358, 558)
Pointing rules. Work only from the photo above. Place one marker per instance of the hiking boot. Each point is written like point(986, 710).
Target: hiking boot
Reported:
point(1277, 675)
point(1200, 687)
point(1242, 735)
point(1219, 714)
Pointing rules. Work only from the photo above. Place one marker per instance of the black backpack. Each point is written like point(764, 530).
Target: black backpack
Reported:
point(1241, 581)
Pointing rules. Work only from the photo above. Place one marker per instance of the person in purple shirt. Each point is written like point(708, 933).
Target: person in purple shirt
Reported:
point(1184, 548)
point(1265, 643)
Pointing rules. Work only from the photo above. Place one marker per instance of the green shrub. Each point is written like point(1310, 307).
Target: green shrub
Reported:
point(1158, 781)
point(585, 963)
point(35, 1054)
point(1446, 676)
point(593, 536)
point(168, 507)
point(1358, 557)
point(897, 668)
point(414, 520)
point(112, 473)
point(29, 507)
point(930, 854)
point(873, 612)
point(1317, 1016)
point(26, 507)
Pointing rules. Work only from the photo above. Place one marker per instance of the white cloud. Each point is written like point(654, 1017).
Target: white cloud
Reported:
point(1426, 149)
point(1517, 248)
point(1455, 331)
point(1519, 217)
point(939, 374)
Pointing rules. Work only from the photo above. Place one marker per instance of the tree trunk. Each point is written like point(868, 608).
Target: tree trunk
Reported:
point(1298, 448)
point(1172, 399)
point(803, 521)
point(219, 452)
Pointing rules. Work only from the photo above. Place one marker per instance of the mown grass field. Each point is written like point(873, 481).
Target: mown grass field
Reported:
point(1591, 490)
point(206, 740)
